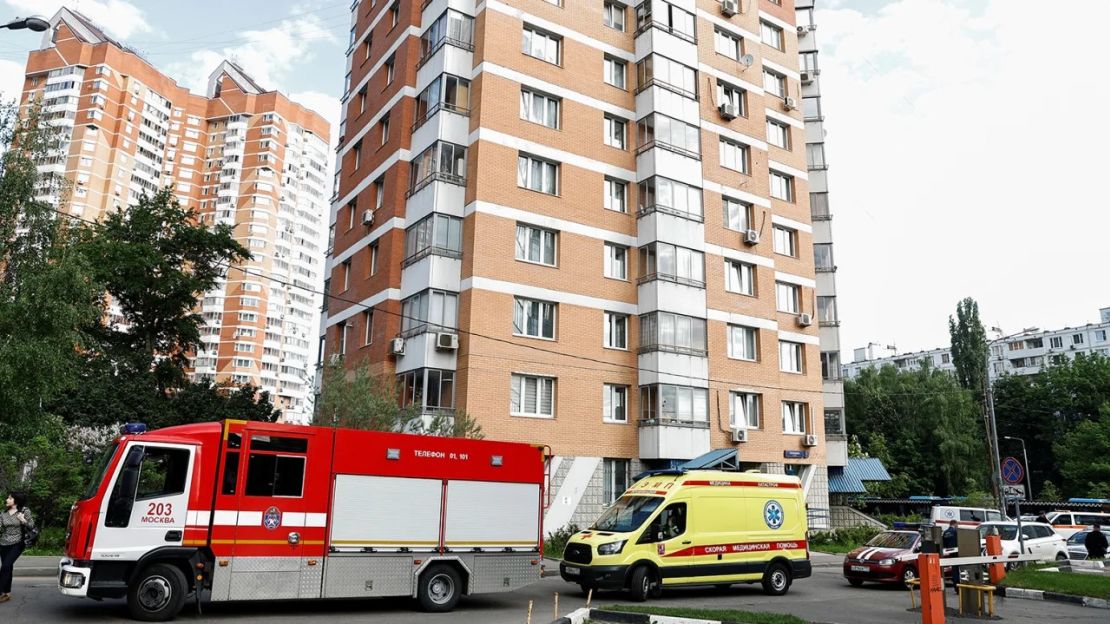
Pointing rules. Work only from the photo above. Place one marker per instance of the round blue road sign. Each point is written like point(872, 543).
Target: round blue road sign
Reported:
point(1012, 472)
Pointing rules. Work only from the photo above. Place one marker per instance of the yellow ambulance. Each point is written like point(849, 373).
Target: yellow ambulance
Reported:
point(699, 527)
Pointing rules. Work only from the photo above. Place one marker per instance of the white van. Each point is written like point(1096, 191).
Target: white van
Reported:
point(966, 516)
point(1067, 523)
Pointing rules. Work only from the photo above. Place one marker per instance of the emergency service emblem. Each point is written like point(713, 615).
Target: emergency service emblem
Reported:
point(773, 514)
point(271, 519)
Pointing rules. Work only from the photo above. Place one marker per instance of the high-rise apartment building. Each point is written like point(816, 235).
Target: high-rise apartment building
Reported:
point(828, 318)
point(588, 225)
point(239, 155)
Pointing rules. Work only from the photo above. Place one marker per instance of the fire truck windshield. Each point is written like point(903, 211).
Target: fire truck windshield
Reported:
point(627, 514)
point(98, 473)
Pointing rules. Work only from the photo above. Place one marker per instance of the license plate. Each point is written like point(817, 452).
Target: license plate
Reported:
point(571, 571)
point(860, 569)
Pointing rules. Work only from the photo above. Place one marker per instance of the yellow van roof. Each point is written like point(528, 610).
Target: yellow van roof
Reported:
point(669, 483)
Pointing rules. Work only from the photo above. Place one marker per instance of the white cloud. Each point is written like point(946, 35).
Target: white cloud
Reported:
point(269, 56)
point(325, 104)
point(11, 81)
point(964, 162)
point(118, 17)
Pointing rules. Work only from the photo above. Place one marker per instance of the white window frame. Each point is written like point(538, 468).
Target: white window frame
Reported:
point(518, 382)
point(774, 83)
point(794, 417)
point(735, 155)
point(785, 240)
point(612, 320)
point(727, 44)
point(739, 277)
point(542, 45)
point(744, 412)
point(788, 297)
point(615, 15)
point(525, 233)
point(549, 174)
point(738, 343)
point(778, 134)
point(524, 307)
point(615, 130)
point(613, 261)
point(616, 73)
point(609, 393)
point(771, 35)
point(612, 202)
point(791, 357)
point(528, 102)
point(738, 214)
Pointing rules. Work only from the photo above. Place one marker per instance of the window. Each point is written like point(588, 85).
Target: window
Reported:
point(787, 297)
point(537, 174)
point(1056, 342)
point(367, 326)
point(815, 157)
point(446, 92)
point(666, 17)
point(616, 261)
point(790, 356)
point(1077, 339)
point(672, 263)
point(778, 134)
point(735, 96)
point(793, 417)
point(362, 100)
point(945, 358)
point(727, 44)
point(374, 258)
point(819, 205)
point(539, 108)
point(345, 269)
point(667, 403)
point(390, 66)
point(539, 44)
point(671, 75)
point(535, 319)
point(742, 343)
point(616, 330)
point(782, 186)
point(674, 333)
point(774, 83)
point(616, 192)
point(823, 256)
point(394, 14)
point(436, 234)
point(809, 62)
point(785, 240)
point(616, 129)
point(535, 244)
point(379, 193)
point(615, 402)
point(616, 72)
point(672, 197)
point(162, 473)
point(530, 395)
point(441, 160)
point(1100, 335)
point(384, 124)
point(740, 277)
point(616, 479)
point(745, 410)
point(811, 108)
point(830, 365)
point(356, 155)
point(826, 311)
point(738, 214)
point(352, 211)
point(429, 389)
point(429, 310)
point(657, 130)
point(770, 34)
point(734, 155)
point(614, 15)
point(270, 474)
point(450, 27)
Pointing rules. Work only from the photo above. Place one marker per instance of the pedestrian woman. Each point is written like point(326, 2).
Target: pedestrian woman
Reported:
point(14, 519)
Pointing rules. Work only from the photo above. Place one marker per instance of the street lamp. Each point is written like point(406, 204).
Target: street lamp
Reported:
point(36, 24)
point(1025, 458)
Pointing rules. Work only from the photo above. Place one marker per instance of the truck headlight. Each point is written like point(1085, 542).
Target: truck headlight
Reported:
point(611, 548)
point(886, 562)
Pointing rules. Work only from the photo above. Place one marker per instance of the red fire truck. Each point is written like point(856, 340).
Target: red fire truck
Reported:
point(258, 511)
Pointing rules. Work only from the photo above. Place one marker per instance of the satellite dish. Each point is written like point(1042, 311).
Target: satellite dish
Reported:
point(747, 60)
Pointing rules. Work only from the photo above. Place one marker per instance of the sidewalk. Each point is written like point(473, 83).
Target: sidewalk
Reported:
point(36, 566)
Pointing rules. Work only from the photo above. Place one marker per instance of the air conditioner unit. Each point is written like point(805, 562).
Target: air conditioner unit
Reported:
point(368, 217)
point(790, 103)
point(802, 30)
point(397, 346)
point(447, 342)
point(811, 440)
point(729, 7)
point(739, 435)
point(728, 111)
point(805, 320)
point(807, 77)
point(751, 237)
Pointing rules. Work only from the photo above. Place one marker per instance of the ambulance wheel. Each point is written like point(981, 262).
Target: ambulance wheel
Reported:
point(440, 588)
point(776, 580)
point(157, 594)
point(640, 585)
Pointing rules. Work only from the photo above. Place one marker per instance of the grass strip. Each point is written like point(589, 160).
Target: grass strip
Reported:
point(724, 615)
point(1071, 583)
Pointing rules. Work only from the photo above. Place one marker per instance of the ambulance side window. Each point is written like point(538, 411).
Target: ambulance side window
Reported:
point(669, 524)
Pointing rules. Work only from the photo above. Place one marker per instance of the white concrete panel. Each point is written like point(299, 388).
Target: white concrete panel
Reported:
point(435, 197)
point(660, 100)
point(673, 442)
point(673, 368)
point(421, 352)
point(658, 41)
point(431, 272)
point(448, 59)
point(660, 226)
point(661, 294)
point(670, 164)
point(443, 125)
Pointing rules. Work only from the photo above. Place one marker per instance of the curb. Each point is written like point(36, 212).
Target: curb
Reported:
point(626, 617)
point(1037, 594)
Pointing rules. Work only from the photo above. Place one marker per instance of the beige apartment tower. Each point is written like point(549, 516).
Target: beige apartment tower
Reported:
point(588, 225)
point(239, 155)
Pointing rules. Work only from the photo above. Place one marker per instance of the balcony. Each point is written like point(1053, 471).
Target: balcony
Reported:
point(673, 439)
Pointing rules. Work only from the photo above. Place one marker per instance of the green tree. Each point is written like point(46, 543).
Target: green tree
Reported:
point(969, 345)
point(48, 298)
point(360, 399)
point(1049, 492)
point(1084, 454)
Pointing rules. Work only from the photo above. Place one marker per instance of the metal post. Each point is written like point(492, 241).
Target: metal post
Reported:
point(992, 426)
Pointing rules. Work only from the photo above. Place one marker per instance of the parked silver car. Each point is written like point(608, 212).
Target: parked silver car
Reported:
point(1076, 549)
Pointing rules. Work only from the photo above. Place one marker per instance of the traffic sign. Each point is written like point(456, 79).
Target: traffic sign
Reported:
point(1010, 492)
point(1012, 472)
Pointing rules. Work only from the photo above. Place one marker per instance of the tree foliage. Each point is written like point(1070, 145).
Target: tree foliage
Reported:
point(922, 425)
point(969, 345)
point(1084, 454)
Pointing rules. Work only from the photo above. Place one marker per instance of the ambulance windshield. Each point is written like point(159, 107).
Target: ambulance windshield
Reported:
point(627, 514)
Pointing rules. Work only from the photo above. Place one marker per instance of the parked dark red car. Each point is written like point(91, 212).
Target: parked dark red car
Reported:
point(890, 557)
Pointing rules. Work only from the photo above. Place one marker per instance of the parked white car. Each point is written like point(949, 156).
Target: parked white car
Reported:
point(1039, 539)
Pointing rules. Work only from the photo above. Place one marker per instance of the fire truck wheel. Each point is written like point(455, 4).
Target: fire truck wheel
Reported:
point(640, 584)
point(157, 593)
point(440, 588)
point(776, 580)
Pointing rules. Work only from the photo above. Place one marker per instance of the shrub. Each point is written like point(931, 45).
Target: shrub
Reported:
point(557, 540)
point(851, 536)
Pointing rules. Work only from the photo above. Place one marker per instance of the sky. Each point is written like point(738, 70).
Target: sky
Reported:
point(962, 156)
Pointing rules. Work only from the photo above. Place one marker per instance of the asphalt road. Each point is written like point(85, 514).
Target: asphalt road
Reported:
point(823, 598)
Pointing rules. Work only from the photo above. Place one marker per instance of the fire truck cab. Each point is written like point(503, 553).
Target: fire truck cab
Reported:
point(260, 511)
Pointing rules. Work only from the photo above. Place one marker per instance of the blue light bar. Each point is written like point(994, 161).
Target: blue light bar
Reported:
point(133, 428)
